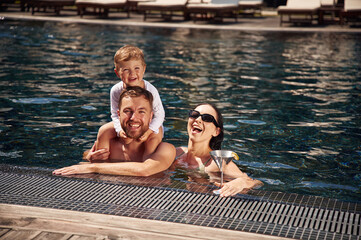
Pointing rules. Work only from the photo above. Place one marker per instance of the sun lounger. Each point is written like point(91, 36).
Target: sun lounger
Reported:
point(254, 5)
point(4, 3)
point(352, 9)
point(100, 7)
point(166, 8)
point(327, 3)
point(133, 4)
point(305, 9)
point(57, 5)
point(215, 10)
point(329, 8)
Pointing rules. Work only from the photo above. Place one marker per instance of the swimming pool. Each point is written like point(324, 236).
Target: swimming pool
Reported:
point(291, 101)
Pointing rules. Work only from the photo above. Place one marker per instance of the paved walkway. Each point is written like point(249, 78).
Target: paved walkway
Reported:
point(25, 223)
point(268, 22)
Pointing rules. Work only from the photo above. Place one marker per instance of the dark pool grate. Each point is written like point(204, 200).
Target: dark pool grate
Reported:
point(312, 218)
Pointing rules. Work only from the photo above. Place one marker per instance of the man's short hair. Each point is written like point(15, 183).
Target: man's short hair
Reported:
point(136, 92)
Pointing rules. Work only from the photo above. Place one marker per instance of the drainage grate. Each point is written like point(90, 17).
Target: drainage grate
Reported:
point(298, 216)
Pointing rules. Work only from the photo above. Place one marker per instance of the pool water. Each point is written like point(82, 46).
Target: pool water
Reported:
point(291, 101)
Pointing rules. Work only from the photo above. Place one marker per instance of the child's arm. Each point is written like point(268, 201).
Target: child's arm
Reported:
point(158, 110)
point(114, 106)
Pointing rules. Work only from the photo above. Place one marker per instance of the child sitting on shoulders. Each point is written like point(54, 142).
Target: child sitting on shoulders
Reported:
point(130, 68)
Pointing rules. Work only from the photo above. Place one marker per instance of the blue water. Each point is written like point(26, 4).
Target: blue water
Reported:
point(291, 101)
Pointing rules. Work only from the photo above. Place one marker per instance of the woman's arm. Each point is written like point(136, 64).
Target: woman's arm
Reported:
point(241, 184)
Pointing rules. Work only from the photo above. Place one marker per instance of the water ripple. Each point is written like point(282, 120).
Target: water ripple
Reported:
point(40, 100)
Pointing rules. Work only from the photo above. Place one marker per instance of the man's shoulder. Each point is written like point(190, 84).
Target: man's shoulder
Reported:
point(166, 145)
point(165, 148)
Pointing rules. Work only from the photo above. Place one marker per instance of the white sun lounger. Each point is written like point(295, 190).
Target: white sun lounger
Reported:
point(100, 7)
point(304, 9)
point(254, 5)
point(57, 5)
point(166, 8)
point(216, 9)
point(352, 9)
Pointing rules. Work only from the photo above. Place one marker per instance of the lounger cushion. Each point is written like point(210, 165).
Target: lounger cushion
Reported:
point(164, 3)
point(214, 4)
point(209, 6)
point(301, 4)
point(250, 2)
point(102, 2)
point(352, 5)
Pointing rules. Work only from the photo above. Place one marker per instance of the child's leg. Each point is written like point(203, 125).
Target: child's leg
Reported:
point(152, 143)
point(105, 134)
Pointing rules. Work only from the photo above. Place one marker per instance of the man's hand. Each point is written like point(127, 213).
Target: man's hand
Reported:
point(98, 155)
point(75, 169)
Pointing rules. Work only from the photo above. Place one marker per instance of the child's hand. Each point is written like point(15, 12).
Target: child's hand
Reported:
point(122, 134)
point(145, 136)
point(125, 138)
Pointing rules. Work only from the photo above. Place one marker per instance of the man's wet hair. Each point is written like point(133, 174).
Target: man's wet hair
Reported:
point(136, 92)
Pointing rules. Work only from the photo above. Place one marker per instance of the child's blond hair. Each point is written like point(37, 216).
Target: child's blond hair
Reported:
point(126, 53)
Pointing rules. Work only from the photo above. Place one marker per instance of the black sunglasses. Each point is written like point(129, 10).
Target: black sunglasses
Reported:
point(205, 117)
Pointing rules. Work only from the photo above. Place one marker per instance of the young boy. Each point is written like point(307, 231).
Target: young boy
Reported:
point(130, 68)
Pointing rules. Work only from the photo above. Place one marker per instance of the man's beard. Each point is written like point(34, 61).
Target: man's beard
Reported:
point(135, 135)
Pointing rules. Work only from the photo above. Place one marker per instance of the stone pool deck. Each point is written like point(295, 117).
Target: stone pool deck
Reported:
point(25, 222)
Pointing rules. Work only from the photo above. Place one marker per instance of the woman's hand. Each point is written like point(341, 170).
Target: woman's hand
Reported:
point(239, 185)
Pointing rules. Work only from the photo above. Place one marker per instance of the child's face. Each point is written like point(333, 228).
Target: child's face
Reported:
point(131, 73)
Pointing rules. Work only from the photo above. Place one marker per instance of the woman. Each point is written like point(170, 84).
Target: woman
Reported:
point(205, 131)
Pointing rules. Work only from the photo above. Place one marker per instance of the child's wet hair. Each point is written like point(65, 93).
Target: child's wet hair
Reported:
point(127, 53)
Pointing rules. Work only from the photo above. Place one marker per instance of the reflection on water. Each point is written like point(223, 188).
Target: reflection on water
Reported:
point(291, 101)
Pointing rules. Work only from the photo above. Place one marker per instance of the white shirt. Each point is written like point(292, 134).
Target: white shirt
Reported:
point(158, 110)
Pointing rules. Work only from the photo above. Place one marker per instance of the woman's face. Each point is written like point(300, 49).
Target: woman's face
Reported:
point(202, 131)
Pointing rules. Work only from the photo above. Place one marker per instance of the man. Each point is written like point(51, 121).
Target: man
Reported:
point(128, 158)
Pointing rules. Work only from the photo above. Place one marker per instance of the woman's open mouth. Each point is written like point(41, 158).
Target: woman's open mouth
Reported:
point(196, 129)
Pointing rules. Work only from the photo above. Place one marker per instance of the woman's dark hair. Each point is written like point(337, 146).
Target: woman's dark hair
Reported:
point(216, 142)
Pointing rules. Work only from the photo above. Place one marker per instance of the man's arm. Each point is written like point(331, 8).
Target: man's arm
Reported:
point(157, 162)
